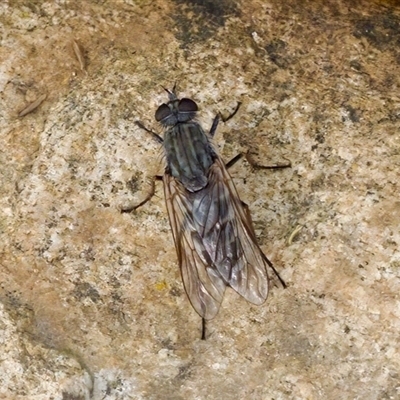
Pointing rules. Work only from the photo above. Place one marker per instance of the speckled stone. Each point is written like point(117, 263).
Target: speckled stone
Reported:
point(92, 304)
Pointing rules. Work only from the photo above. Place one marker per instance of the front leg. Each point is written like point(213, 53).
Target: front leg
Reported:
point(159, 139)
point(219, 116)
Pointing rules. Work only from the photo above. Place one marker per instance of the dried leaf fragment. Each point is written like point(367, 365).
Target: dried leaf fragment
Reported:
point(79, 54)
point(32, 106)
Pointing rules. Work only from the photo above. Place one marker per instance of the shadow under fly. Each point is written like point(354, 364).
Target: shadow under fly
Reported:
point(212, 228)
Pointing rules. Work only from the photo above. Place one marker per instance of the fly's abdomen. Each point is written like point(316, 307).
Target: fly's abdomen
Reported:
point(189, 154)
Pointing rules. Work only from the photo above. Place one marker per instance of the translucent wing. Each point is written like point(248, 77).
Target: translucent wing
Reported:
point(215, 242)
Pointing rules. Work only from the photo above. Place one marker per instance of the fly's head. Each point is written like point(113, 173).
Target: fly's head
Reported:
point(176, 110)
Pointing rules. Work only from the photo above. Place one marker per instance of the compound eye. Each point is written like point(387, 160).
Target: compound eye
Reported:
point(162, 112)
point(187, 105)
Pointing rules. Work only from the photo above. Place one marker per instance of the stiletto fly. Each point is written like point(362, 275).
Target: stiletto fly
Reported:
point(212, 228)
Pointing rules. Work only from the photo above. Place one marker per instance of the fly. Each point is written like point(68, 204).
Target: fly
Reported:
point(212, 228)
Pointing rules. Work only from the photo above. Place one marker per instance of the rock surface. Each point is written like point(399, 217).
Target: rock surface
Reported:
point(92, 304)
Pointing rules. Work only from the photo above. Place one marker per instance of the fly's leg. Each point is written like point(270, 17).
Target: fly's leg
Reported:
point(248, 217)
point(249, 159)
point(203, 329)
point(254, 165)
point(247, 155)
point(131, 208)
point(156, 137)
point(219, 116)
point(233, 113)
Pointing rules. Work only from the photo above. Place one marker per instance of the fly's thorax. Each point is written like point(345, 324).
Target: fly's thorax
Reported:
point(189, 154)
